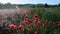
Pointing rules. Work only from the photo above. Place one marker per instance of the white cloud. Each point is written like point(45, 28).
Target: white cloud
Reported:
point(30, 1)
point(11, 1)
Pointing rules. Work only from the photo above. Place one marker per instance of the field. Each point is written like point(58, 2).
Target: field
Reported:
point(39, 20)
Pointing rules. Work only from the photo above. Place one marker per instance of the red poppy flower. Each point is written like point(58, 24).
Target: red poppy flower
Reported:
point(36, 32)
point(12, 26)
point(39, 21)
point(57, 24)
point(35, 15)
point(25, 20)
point(21, 27)
point(15, 26)
point(34, 20)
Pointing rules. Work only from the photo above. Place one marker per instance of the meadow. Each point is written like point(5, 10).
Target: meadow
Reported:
point(38, 20)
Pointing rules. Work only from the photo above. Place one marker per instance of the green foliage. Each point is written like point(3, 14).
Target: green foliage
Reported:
point(47, 14)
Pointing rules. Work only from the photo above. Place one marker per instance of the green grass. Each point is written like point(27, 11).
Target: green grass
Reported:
point(51, 13)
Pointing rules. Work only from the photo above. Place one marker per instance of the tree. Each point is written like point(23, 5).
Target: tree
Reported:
point(9, 5)
point(46, 5)
point(59, 4)
point(1, 5)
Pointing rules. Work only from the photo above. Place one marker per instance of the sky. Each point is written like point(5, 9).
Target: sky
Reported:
point(30, 1)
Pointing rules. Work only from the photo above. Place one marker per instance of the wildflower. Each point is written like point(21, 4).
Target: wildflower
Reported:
point(15, 26)
point(35, 18)
point(39, 21)
point(12, 26)
point(57, 24)
point(26, 20)
point(21, 27)
point(36, 32)
point(35, 15)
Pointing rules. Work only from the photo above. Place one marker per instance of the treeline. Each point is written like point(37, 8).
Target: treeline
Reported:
point(45, 5)
point(9, 5)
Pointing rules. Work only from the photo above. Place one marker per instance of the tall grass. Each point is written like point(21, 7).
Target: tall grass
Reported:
point(51, 14)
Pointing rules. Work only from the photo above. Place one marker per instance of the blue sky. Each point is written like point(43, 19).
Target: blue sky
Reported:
point(31, 1)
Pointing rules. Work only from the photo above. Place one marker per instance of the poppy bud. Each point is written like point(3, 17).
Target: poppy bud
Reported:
point(21, 27)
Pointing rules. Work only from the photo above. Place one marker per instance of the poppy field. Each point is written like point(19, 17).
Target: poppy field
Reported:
point(34, 21)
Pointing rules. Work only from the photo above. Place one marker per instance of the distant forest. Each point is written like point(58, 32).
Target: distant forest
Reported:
point(9, 5)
